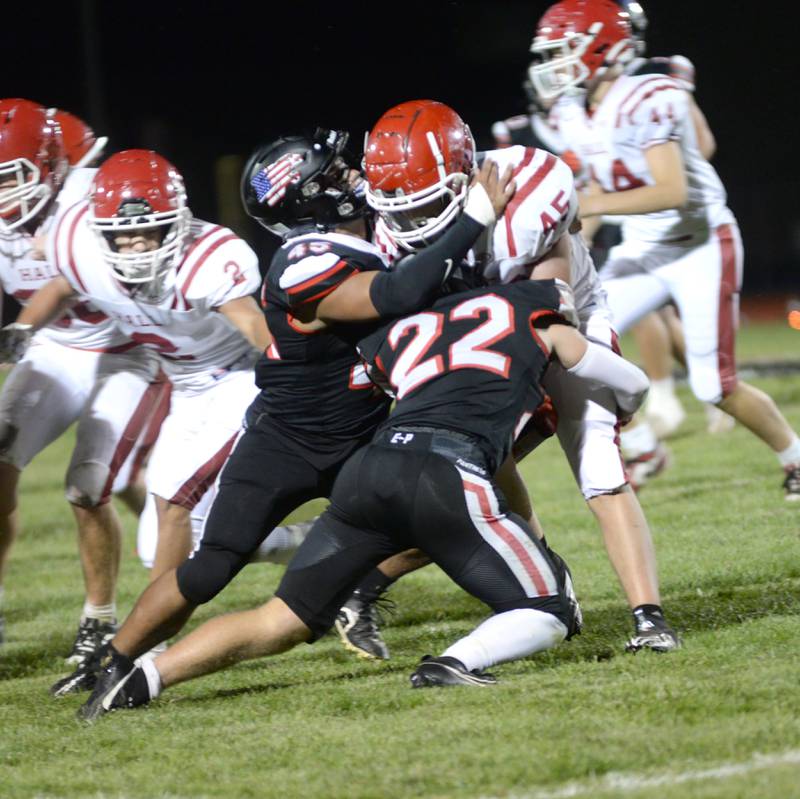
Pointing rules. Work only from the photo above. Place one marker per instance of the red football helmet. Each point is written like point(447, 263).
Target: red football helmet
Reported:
point(576, 41)
point(32, 161)
point(83, 148)
point(418, 161)
point(139, 191)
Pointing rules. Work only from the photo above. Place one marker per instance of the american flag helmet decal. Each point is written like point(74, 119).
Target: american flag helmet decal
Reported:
point(271, 182)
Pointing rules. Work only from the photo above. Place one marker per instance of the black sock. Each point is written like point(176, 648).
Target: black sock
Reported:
point(374, 584)
point(649, 610)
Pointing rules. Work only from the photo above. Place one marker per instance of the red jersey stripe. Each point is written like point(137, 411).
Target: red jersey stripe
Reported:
point(70, 241)
point(522, 194)
point(203, 258)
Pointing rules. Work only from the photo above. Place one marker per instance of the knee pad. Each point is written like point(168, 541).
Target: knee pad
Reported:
point(86, 483)
point(207, 572)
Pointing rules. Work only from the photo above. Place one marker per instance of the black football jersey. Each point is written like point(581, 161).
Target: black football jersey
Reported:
point(471, 363)
point(314, 383)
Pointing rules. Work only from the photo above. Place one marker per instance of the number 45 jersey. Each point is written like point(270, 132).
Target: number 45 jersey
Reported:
point(471, 363)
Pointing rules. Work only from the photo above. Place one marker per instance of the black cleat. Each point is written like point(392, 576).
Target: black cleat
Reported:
point(92, 635)
point(83, 678)
point(358, 625)
point(120, 684)
point(445, 671)
point(652, 632)
point(791, 485)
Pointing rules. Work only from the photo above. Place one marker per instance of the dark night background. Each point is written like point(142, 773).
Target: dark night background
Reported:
point(198, 81)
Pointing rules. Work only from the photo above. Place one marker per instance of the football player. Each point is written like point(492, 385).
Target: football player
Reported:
point(463, 373)
point(417, 162)
point(181, 289)
point(316, 405)
point(81, 367)
point(636, 131)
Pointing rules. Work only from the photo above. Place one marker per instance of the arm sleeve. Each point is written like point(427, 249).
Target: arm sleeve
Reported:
point(604, 368)
point(417, 278)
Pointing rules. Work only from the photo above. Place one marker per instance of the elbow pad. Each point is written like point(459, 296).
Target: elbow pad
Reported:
point(416, 279)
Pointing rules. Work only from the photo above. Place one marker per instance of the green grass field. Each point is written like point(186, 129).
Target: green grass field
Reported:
point(719, 718)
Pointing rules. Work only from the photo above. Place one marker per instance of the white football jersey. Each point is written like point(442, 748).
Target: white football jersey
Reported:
point(638, 112)
point(197, 345)
point(24, 270)
point(541, 211)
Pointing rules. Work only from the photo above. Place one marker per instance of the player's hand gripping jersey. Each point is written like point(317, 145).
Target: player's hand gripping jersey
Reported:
point(25, 268)
point(197, 345)
point(640, 111)
point(476, 350)
point(312, 380)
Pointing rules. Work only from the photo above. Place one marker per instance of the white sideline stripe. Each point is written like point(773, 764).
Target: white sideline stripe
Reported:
point(634, 782)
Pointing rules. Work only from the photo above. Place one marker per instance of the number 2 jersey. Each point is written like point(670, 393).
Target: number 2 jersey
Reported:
point(196, 344)
point(313, 383)
point(471, 363)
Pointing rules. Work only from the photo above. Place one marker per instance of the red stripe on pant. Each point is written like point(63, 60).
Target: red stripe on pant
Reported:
point(160, 413)
point(130, 435)
point(726, 326)
point(191, 492)
point(508, 538)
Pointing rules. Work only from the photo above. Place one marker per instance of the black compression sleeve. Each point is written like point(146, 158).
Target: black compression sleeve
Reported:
point(416, 279)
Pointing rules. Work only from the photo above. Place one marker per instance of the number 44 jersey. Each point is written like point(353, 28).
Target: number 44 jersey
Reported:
point(471, 363)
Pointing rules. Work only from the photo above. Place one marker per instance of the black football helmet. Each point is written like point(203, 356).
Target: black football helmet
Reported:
point(298, 180)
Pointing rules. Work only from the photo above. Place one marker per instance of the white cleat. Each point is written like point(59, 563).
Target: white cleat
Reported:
point(664, 413)
point(647, 465)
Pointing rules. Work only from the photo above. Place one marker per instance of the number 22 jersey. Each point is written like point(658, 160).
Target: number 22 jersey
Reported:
point(471, 363)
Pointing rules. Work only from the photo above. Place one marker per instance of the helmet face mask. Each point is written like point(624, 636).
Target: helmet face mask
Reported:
point(33, 163)
point(559, 67)
point(298, 180)
point(137, 194)
point(419, 160)
point(22, 194)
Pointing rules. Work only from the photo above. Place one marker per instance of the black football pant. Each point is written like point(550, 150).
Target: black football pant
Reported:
point(267, 476)
point(425, 488)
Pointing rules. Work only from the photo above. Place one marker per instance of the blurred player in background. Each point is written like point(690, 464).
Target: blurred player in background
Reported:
point(635, 127)
point(80, 367)
point(416, 162)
